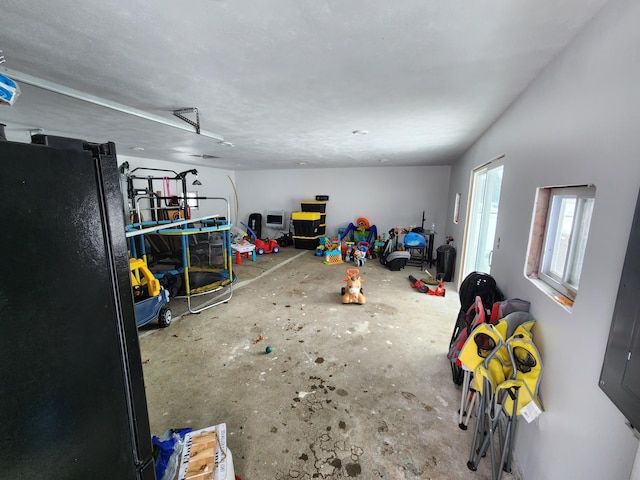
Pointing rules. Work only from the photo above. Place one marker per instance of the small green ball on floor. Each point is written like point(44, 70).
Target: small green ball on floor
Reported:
point(268, 349)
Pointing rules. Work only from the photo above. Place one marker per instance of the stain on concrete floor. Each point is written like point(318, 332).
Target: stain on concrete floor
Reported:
point(348, 391)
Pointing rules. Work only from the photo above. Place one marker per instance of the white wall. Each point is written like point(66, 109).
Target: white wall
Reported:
point(579, 122)
point(635, 474)
point(387, 197)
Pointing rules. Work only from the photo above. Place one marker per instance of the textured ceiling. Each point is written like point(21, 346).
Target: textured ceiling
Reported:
point(285, 81)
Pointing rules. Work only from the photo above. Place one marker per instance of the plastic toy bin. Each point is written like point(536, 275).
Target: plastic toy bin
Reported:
point(306, 224)
point(313, 206)
point(305, 243)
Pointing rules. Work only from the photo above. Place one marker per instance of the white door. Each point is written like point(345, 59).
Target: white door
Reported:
point(482, 218)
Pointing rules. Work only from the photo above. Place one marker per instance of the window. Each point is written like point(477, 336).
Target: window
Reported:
point(559, 238)
point(192, 200)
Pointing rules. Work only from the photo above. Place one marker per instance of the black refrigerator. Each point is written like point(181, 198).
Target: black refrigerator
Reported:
point(72, 399)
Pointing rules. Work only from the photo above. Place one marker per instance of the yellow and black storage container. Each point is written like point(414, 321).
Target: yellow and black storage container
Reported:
point(313, 206)
point(309, 224)
point(306, 224)
point(306, 243)
point(305, 227)
point(316, 206)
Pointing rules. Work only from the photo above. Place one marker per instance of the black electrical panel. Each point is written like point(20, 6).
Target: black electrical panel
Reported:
point(620, 376)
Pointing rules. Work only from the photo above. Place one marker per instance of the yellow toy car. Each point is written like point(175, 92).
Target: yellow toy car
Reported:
point(150, 298)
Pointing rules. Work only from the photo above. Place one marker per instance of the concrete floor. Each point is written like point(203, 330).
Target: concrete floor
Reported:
point(348, 391)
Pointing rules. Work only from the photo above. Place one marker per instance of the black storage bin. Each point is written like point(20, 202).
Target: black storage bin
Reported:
point(306, 228)
point(306, 224)
point(445, 261)
point(306, 243)
point(313, 206)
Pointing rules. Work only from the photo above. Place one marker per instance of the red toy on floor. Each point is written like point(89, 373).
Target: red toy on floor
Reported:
point(423, 288)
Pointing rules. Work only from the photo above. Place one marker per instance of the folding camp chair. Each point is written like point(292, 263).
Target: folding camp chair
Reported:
point(506, 385)
point(483, 341)
point(476, 284)
point(484, 338)
point(475, 316)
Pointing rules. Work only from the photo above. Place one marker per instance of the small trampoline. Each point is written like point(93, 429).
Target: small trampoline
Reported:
point(205, 280)
point(202, 263)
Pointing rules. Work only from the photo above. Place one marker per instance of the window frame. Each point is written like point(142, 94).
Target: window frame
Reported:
point(584, 196)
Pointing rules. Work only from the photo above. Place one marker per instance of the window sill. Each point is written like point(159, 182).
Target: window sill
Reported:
point(553, 294)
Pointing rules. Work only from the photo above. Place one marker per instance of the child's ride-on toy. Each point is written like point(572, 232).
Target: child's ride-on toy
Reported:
point(150, 298)
point(352, 293)
point(266, 246)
